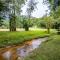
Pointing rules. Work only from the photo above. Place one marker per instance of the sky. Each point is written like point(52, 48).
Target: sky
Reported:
point(39, 11)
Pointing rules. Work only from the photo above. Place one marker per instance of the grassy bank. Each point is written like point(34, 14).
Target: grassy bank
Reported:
point(11, 38)
point(49, 50)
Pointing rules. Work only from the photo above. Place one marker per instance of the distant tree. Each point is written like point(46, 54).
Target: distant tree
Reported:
point(25, 24)
point(31, 7)
point(48, 21)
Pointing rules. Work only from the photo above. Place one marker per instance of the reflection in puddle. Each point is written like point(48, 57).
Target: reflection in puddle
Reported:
point(7, 55)
point(18, 52)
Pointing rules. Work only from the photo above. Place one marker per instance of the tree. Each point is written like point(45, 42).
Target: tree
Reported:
point(2, 11)
point(31, 7)
point(49, 23)
point(55, 12)
point(57, 19)
point(13, 16)
point(14, 10)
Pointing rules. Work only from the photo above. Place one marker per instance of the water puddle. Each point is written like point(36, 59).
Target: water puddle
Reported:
point(19, 52)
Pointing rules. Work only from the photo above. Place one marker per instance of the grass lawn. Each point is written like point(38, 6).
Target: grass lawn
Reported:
point(49, 50)
point(11, 38)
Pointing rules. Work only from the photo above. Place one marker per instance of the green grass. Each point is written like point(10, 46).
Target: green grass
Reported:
point(49, 50)
point(11, 38)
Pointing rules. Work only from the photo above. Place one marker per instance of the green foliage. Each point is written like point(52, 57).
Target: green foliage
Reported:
point(6, 23)
point(25, 24)
point(55, 13)
point(2, 6)
point(2, 10)
point(1, 21)
point(56, 16)
point(39, 22)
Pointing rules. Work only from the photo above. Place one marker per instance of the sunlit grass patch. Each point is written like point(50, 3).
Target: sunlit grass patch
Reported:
point(11, 38)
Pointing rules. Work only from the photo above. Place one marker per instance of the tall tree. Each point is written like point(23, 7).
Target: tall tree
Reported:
point(31, 7)
point(55, 11)
point(14, 9)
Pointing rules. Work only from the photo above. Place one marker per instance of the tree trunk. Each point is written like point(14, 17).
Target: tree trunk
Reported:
point(48, 29)
point(58, 31)
point(13, 18)
point(13, 24)
point(26, 28)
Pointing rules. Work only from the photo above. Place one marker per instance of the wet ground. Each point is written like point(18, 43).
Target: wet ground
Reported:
point(21, 51)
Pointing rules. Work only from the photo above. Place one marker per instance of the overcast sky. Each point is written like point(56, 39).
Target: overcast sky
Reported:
point(39, 12)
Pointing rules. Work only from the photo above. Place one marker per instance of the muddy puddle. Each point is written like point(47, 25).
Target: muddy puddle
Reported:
point(19, 52)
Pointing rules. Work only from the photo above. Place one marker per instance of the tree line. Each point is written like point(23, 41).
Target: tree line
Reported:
point(12, 9)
